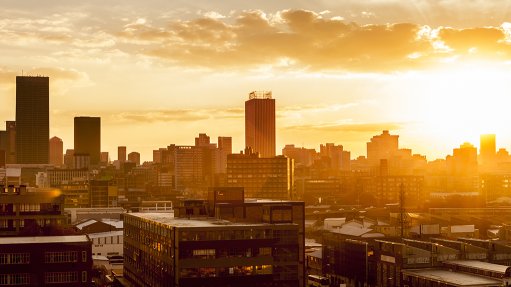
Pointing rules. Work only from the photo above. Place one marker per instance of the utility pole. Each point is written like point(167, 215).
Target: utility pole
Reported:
point(402, 209)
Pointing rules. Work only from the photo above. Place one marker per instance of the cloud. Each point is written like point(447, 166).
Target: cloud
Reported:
point(308, 40)
point(354, 128)
point(8, 76)
point(297, 39)
point(178, 115)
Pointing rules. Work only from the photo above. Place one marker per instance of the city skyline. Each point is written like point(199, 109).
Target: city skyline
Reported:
point(437, 81)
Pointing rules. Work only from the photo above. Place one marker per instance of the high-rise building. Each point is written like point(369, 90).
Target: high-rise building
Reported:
point(56, 151)
point(134, 157)
point(104, 157)
point(121, 154)
point(260, 123)
point(32, 120)
point(383, 146)
point(268, 178)
point(69, 158)
point(488, 149)
point(87, 134)
point(224, 149)
point(10, 152)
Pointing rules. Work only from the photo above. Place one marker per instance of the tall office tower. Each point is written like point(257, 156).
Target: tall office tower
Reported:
point(56, 151)
point(488, 149)
point(260, 123)
point(88, 138)
point(104, 157)
point(69, 158)
point(32, 120)
point(121, 154)
point(267, 178)
point(10, 152)
point(224, 149)
point(383, 146)
point(134, 157)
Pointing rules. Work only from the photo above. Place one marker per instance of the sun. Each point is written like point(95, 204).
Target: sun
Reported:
point(464, 101)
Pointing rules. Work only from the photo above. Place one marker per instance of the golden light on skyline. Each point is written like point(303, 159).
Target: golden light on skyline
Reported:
point(434, 73)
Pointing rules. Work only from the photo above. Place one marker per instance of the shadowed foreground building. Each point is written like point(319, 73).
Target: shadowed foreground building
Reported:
point(32, 120)
point(45, 261)
point(245, 244)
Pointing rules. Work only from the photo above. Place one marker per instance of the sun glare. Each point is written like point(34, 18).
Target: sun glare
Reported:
point(465, 101)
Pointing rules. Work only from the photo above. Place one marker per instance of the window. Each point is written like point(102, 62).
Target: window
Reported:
point(204, 253)
point(60, 277)
point(14, 279)
point(84, 276)
point(14, 258)
point(84, 256)
point(61, 257)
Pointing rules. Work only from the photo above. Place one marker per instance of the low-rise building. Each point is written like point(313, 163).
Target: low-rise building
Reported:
point(45, 261)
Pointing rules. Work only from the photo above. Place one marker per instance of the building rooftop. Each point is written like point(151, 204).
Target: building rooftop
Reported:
point(106, 234)
point(454, 278)
point(167, 219)
point(44, 239)
point(480, 265)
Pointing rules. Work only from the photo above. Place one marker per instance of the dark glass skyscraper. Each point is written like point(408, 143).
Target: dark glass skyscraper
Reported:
point(32, 120)
point(260, 123)
point(87, 136)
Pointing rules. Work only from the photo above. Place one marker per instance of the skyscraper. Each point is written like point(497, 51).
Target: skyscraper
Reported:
point(260, 123)
point(32, 120)
point(382, 146)
point(87, 134)
point(488, 149)
point(121, 154)
point(10, 152)
point(56, 151)
point(134, 157)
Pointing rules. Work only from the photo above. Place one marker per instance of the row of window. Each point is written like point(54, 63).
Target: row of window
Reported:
point(228, 252)
point(108, 240)
point(64, 277)
point(14, 279)
point(14, 258)
point(64, 257)
point(225, 271)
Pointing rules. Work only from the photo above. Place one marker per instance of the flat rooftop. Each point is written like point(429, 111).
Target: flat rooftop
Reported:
point(452, 278)
point(168, 219)
point(43, 239)
point(480, 265)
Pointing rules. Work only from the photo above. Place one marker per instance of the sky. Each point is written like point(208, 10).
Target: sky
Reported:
point(161, 72)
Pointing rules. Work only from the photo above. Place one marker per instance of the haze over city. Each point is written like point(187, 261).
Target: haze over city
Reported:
point(433, 72)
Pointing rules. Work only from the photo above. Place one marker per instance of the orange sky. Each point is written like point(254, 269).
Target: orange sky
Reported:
point(341, 71)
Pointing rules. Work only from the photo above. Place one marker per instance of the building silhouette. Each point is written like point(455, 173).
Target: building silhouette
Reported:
point(268, 178)
point(488, 149)
point(56, 151)
point(32, 120)
point(383, 146)
point(121, 154)
point(260, 123)
point(134, 157)
point(87, 134)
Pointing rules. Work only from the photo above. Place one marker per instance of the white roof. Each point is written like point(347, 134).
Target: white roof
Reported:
point(462, 228)
point(13, 172)
point(44, 239)
point(479, 265)
point(455, 278)
point(86, 223)
point(113, 222)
